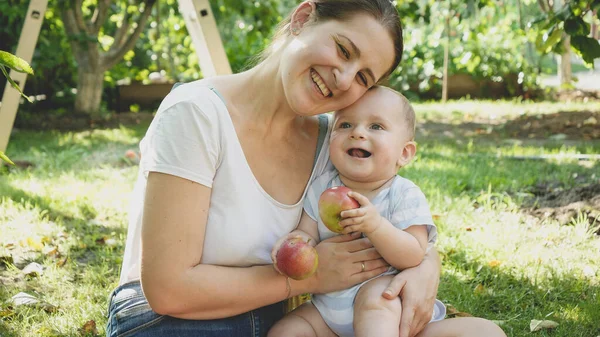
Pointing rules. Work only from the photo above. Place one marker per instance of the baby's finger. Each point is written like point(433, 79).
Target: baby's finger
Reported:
point(351, 221)
point(362, 200)
point(353, 213)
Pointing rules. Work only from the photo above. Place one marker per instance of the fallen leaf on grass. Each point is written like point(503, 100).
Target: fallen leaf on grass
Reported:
point(89, 328)
point(537, 325)
point(34, 243)
point(480, 289)
point(51, 251)
point(494, 263)
point(62, 261)
point(25, 299)
point(33, 269)
point(451, 311)
point(6, 313)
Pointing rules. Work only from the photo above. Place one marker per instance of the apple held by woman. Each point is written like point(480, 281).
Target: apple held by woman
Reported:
point(297, 259)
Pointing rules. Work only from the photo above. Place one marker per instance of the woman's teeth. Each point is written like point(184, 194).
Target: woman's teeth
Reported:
point(319, 82)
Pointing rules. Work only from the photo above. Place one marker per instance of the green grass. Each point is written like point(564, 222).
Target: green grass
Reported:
point(498, 261)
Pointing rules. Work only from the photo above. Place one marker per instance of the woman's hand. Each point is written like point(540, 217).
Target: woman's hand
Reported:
point(341, 261)
point(417, 287)
point(278, 244)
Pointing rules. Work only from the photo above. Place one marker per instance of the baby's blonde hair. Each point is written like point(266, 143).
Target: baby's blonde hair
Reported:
point(406, 108)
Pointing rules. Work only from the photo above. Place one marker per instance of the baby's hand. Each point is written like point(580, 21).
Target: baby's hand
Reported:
point(365, 219)
point(278, 244)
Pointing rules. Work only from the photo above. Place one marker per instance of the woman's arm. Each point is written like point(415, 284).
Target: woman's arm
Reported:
point(417, 287)
point(176, 284)
point(174, 281)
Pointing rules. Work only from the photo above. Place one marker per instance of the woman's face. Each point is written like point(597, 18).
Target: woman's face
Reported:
point(327, 66)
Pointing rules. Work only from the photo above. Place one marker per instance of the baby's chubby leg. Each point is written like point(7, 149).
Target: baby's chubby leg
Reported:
point(304, 321)
point(373, 314)
point(462, 327)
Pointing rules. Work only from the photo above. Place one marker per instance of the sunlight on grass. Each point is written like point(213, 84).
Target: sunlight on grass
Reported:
point(492, 110)
point(69, 211)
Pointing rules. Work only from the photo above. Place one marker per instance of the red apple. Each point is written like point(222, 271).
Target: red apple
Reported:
point(297, 259)
point(332, 202)
point(130, 154)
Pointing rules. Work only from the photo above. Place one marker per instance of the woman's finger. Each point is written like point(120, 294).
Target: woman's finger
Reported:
point(371, 265)
point(357, 245)
point(365, 255)
point(347, 238)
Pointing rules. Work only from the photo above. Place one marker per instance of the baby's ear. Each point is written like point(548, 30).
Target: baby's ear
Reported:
point(408, 153)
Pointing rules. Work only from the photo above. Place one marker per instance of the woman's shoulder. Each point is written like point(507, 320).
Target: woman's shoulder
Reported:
point(197, 95)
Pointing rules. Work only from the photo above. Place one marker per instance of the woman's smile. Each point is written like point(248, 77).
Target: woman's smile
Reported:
point(320, 84)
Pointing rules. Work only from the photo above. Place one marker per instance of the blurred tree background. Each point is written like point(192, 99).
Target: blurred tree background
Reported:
point(492, 48)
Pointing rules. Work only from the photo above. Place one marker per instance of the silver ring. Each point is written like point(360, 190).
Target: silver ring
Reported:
point(362, 266)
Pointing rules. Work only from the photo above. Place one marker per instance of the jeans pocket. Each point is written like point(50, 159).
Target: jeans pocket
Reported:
point(133, 315)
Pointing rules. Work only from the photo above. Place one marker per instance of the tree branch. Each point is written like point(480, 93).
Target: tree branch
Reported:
point(68, 17)
point(100, 15)
point(112, 57)
point(79, 17)
point(121, 32)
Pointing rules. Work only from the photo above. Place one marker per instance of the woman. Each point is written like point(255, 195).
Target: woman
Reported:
point(225, 165)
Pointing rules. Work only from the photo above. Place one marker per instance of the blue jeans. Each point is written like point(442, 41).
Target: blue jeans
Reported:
point(130, 315)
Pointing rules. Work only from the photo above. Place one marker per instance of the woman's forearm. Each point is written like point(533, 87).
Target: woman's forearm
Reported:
point(212, 292)
point(432, 263)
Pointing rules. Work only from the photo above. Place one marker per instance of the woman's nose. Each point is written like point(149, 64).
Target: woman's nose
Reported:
point(344, 77)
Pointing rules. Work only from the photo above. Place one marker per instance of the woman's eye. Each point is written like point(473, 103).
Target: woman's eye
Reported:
point(344, 51)
point(344, 125)
point(376, 127)
point(363, 78)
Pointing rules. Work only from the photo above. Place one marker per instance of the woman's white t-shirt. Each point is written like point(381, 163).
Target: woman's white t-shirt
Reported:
point(192, 137)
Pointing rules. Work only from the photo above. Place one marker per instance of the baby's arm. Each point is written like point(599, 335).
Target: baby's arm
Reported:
point(400, 248)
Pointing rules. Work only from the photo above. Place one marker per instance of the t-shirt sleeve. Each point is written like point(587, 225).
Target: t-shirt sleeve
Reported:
point(411, 208)
point(183, 140)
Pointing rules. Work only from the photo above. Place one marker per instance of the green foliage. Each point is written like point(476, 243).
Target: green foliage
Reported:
point(8, 60)
point(569, 20)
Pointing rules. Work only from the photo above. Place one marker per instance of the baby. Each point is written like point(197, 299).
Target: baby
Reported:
point(371, 140)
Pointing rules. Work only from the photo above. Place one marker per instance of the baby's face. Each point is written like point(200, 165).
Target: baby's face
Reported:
point(369, 136)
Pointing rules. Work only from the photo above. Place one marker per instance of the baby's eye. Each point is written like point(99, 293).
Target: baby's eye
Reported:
point(345, 125)
point(376, 127)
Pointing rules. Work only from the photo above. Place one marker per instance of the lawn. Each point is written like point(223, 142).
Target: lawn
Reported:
point(518, 231)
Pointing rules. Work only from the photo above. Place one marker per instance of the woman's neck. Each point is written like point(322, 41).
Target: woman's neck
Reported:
point(256, 97)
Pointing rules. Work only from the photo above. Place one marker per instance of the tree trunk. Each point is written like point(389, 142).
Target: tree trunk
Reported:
point(89, 91)
point(91, 59)
point(564, 63)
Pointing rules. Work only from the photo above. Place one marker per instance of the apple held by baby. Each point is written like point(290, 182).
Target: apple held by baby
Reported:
point(332, 203)
point(297, 259)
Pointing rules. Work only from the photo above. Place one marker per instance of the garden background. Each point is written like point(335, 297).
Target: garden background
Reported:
point(509, 164)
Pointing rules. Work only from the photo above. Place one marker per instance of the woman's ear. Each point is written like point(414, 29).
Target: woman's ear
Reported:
point(408, 153)
point(301, 16)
